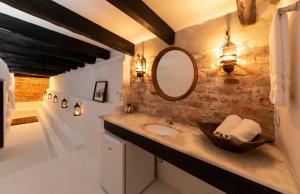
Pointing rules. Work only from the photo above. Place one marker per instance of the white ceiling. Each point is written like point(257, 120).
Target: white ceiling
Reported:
point(178, 14)
point(108, 16)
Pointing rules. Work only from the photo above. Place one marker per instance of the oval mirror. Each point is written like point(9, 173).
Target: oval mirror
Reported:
point(174, 73)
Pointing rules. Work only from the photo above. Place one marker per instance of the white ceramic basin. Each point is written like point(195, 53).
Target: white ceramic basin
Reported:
point(163, 130)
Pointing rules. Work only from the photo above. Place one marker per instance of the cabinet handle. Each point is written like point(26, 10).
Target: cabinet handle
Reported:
point(109, 148)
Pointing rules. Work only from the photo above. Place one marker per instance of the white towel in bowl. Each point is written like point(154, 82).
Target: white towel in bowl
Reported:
point(246, 130)
point(228, 124)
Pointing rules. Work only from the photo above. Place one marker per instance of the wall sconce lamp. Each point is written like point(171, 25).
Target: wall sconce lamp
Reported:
point(45, 93)
point(228, 56)
point(141, 65)
point(49, 96)
point(64, 103)
point(77, 109)
point(55, 99)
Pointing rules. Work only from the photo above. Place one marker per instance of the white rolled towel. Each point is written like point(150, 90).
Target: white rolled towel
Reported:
point(246, 130)
point(228, 124)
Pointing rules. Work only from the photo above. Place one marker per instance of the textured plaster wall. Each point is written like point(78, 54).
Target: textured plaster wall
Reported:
point(30, 89)
point(217, 94)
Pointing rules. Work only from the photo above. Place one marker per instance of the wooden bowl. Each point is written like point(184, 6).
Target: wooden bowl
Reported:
point(232, 145)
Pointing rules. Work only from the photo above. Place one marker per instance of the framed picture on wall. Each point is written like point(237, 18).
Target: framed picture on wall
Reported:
point(100, 91)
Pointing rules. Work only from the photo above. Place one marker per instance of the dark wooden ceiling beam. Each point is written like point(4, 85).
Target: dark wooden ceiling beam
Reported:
point(20, 67)
point(42, 34)
point(32, 72)
point(30, 75)
point(42, 59)
point(26, 52)
point(33, 56)
point(27, 63)
point(8, 48)
point(35, 71)
point(246, 11)
point(61, 16)
point(26, 68)
point(44, 48)
point(16, 73)
point(140, 12)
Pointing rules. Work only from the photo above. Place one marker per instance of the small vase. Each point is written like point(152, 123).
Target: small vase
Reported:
point(129, 108)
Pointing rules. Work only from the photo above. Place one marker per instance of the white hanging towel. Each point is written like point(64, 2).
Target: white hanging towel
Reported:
point(294, 24)
point(279, 61)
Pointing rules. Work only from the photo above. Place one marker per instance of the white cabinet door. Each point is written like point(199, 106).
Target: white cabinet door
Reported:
point(139, 169)
point(112, 164)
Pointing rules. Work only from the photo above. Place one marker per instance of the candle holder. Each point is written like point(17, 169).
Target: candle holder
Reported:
point(55, 99)
point(49, 96)
point(77, 109)
point(64, 103)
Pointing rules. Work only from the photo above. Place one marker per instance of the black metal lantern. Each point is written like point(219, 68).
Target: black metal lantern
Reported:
point(77, 110)
point(64, 103)
point(55, 99)
point(49, 96)
point(45, 93)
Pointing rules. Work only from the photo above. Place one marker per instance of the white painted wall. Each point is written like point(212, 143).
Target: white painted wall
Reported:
point(8, 80)
point(87, 127)
point(81, 82)
point(288, 134)
point(78, 86)
point(4, 73)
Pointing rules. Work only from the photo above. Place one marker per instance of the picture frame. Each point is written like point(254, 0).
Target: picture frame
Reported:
point(100, 91)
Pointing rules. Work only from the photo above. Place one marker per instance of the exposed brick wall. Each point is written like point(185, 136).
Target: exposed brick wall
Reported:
point(245, 92)
point(29, 89)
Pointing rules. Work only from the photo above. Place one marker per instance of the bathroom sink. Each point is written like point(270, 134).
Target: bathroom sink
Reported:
point(162, 130)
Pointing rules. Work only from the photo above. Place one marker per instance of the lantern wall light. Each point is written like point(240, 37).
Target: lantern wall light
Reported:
point(141, 65)
point(64, 103)
point(49, 96)
point(228, 58)
point(77, 109)
point(55, 99)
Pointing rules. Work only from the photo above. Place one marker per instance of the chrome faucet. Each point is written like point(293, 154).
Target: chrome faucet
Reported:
point(169, 120)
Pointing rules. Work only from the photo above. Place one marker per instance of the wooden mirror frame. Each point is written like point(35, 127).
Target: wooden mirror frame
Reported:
point(154, 76)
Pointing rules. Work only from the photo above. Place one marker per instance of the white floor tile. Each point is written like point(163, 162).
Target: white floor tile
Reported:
point(160, 187)
point(74, 173)
point(25, 146)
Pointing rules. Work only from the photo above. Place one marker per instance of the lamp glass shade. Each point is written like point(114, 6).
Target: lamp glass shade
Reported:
point(64, 103)
point(140, 67)
point(77, 110)
point(228, 54)
point(55, 99)
point(49, 96)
